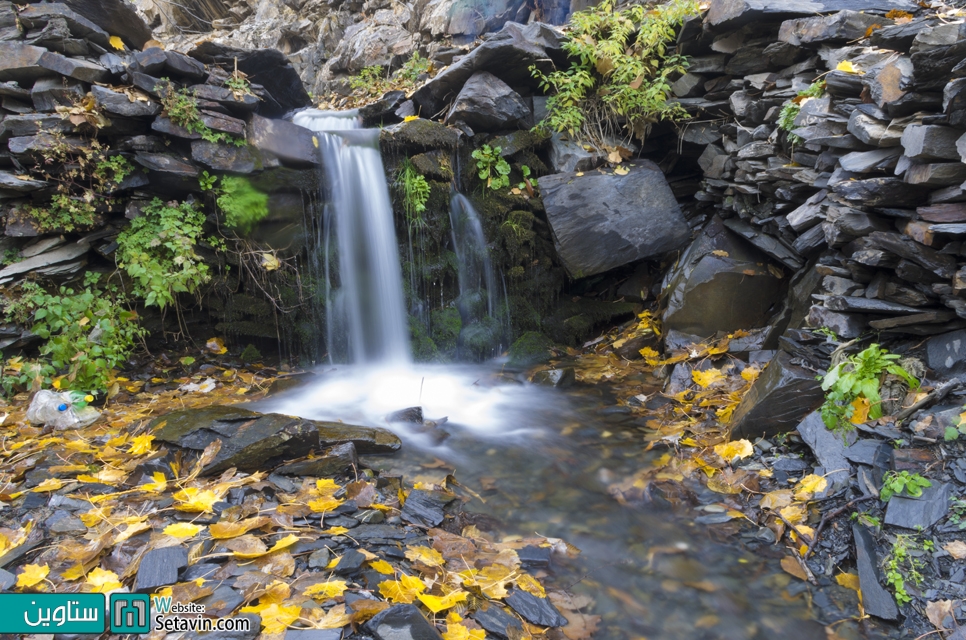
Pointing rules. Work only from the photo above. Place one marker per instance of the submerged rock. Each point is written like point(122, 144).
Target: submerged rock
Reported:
point(253, 441)
point(603, 221)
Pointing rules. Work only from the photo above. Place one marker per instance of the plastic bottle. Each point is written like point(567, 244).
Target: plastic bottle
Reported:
point(66, 410)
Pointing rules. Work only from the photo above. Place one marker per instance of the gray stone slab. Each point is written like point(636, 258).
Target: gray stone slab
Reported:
point(829, 449)
point(924, 511)
point(875, 599)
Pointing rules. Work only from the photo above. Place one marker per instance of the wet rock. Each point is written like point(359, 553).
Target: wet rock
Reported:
point(222, 602)
point(410, 415)
point(166, 163)
point(159, 567)
point(507, 54)
point(336, 460)
point(830, 450)
point(532, 556)
point(384, 110)
point(425, 507)
point(290, 142)
point(74, 68)
point(946, 354)
point(119, 104)
point(401, 622)
point(350, 563)
point(319, 559)
point(64, 522)
point(486, 103)
point(930, 142)
point(777, 402)
point(604, 221)
point(924, 511)
point(224, 157)
point(252, 441)
point(419, 135)
point(875, 599)
point(497, 621)
point(559, 378)
point(21, 63)
point(715, 272)
point(535, 610)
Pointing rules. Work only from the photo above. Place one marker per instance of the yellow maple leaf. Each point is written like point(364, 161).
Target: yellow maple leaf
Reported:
point(403, 591)
point(224, 530)
point(529, 584)
point(96, 515)
point(195, 499)
point(287, 541)
point(50, 484)
point(849, 581)
point(101, 581)
point(382, 567)
point(74, 573)
point(705, 379)
point(750, 373)
point(159, 484)
point(324, 504)
point(456, 631)
point(31, 575)
point(141, 445)
point(847, 67)
point(117, 43)
point(326, 590)
point(794, 513)
point(860, 410)
point(809, 486)
point(437, 604)
point(275, 617)
point(182, 530)
point(326, 486)
point(776, 499)
point(739, 449)
point(426, 556)
point(334, 618)
point(335, 531)
point(410, 118)
point(491, 580)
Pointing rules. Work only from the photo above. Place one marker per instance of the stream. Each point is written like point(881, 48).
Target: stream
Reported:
point(542, 460)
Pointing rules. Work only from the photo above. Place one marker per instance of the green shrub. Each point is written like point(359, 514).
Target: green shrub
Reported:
point(243, 205)
point(157, 251)
point(414, 190)
point(181, 107)
point(493, 169)
point(791, 109)
point(373, 82)
point(621, 70)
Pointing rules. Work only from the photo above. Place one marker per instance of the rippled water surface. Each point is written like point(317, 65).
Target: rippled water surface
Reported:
point(543, 459)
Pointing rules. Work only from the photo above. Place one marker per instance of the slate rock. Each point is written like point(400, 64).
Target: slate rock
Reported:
point(64, 522)
point(224, 157)
point(924, 511)
point(930, 142)
point(385, 110)
point(730, 14)
point(7, 579)
point(74, 68)
point(845, 325)
point(567, 156)
point(318, 559)
point(242, 103)
point(401, 622)
point(829, 449)
point(166, 163)
point(874, 131)
point(866, 161)
point(875, 599)
point(60, 255)
point(164, 125)
point(946, 354)
point(558, 378)
point(21, 63)
point(600, 222)
point(49, 93)
point(837, 27)
point(10, 28)
point(425, 507)
point(117, 17)
point(291, 143)
point(350, 563)
point(852, 304)
point(181, 65)
point(159, 567)
point(336, 460)
point(532, 556)
point(486, 103)
point(222, 601)
point(252, 441)
point(782, 396)
point(221, 122)
point(497, 621)
point(117, 103)
point(877, 192)
point(38, 15)
point(702, 289)
point(535, 610)
point(11, 182)
point(864, 451)
point(200, 570)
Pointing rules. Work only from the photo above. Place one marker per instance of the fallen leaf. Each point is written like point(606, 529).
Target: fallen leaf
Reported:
point(326, 590)
point(792, 566)
point(195, 499)
point(938, 611)
point(705, 379)
point(457, 631)
point(621, 170)
point(382, 567)
point(849, 581)
point(216, 345)
point(860, 410)
point(404, 590)
point(117, 43)
point(529, 584)
point(809, 486)
point(102, 581)
point(437, 604)
point(270, 262)
point(956, 548)
point(777, 499)
point(847, 67)
point(426, 556)
point(182, 530)
point(275, 618)
point(31, 575)
point(224, 530)
point(287, 541)
point(334, 618)
point(737, 449)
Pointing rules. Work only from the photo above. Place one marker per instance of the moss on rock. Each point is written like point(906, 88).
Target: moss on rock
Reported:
point(530, 349)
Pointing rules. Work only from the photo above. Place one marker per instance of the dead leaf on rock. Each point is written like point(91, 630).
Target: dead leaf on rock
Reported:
point(956, 548)
point(793, 567)
point(938, 611)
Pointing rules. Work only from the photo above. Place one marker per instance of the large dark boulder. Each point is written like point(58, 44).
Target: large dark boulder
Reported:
point(268, 68)
point(116, 17)
point(721, 283)
point(507, 54)
point(291, 143)
point(602, 221)
point(486, 103)
point(729, 14)
point(254, 441)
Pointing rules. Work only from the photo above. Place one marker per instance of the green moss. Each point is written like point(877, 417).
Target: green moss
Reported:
point(529, 349)
point(424, 349)
point(446, 325)
point(479, 339)
point(243, 205)
point(573, 322)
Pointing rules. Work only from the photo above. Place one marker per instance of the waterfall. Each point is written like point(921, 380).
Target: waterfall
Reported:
point(479, 299)
point(366, 321)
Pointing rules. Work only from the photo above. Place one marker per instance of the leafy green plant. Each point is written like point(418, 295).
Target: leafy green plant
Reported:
point(181, 107)
point(494, 170)
point(900, 565)
point(369, 81)
point(243, 205)
point(414, 190)
point(828, 333)
point(867, 519)
point(157, 251)
point(854, 384)
point(373, 82)
point(206, 181)
point(622, 63)
point(895, 482)
point(957, 513)
point(791, 109)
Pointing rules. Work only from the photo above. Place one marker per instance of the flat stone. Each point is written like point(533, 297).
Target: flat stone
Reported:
point(873, 131)
point(64, 254)
point(730, 14)
point(221, 122)
point(936, 174)
point(604, 221)
point(319, 559)
point(350, 562)
point(11, 182)
point(74, 68)
point(119, 104)
point(166, 163)
point(223, 601)
point(876, 192)
point(830, 451)
point(167, 127)
point(924, 511)
point(21, 63)
point(419, 135)
point(888, 81)
point(289, 142)
point(425, 507)
point(769, 245)
point(841, 26)
point(252, 441)
point(224, 157)
point(486, 103)
point(851, 304)
point(10, 28)
point(946, 354)
point(49, 93)
point(160, 567)
point(38, 15)
point(497, 621)
point(930, 142)
point(200, 570)
point(866, 161)
point(568, 156)
point(244, 103)
point(782, 396)
point(117, 17)
point(179, 64)
point(535, 610)
point(64, 522)
point(151, 61)
point(845, 325)
point(336, 460)
point(401, 622)
point(875, 599)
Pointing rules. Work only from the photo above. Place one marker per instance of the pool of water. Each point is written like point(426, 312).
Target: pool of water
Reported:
point(542, 459)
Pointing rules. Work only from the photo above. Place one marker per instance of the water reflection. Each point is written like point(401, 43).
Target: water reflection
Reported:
point(542, 459)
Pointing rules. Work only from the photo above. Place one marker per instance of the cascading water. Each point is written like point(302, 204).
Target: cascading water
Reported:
point(365, 313)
